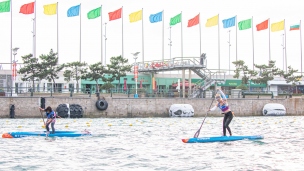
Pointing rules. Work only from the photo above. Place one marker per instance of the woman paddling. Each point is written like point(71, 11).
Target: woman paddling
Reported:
point(223, 105)
point(51, 118)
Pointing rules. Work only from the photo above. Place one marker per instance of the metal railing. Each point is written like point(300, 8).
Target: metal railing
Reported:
point(46, 91)
point(142, 93)
point(176, 62)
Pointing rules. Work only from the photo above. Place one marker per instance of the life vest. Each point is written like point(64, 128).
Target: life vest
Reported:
point(54, 117)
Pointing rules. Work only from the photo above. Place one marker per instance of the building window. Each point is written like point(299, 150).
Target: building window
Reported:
point(126, 79)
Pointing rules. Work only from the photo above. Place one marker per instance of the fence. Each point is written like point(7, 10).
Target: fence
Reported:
point(129, 93)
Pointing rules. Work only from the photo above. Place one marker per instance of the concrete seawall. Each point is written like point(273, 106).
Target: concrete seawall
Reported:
point(27, 107)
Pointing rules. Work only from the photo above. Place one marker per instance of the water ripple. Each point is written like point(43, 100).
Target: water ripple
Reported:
point(155, 144)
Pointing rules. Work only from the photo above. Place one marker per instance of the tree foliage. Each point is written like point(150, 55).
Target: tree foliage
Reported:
point(119, 67)
point(73, 71)
point(107, 86)
point(49, 66)
point(266, 73)
point(31, 69)
point(244, 71)
point(96, 72)
point(290, 77)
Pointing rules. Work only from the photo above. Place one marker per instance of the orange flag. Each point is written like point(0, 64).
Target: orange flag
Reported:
point(262, 26)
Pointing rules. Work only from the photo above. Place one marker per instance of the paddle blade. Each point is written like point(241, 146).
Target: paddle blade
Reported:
point(197, 133)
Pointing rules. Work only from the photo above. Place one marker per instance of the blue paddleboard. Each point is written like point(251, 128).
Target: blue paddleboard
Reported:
point(221, 138)
point(44, 134)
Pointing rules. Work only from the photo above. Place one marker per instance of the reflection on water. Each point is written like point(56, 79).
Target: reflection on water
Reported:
point(155, 144)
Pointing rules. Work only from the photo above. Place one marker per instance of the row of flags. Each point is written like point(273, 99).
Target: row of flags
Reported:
point(247, 24)
point(51, 9)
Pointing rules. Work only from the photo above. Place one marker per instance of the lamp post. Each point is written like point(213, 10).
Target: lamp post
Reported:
point(135, 72)
point(170, 41)
point(14, 70)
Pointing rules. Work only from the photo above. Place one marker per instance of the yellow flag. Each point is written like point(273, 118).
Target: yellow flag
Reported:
point(277, 26)
point(50, 9)
point(135, 16)
point(213, 21)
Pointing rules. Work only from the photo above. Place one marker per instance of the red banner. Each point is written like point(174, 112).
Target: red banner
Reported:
point(135, 71)
point(14, 70)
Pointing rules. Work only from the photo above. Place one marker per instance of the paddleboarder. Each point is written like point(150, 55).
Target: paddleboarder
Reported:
point(51, 118)
point(223, 105)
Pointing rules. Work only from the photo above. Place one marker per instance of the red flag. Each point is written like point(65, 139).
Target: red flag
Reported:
point(194, 21)
point(115, 14)
point(262, 26)
point(27, 8)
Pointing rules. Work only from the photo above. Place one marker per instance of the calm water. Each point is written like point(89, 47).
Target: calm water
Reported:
point(155, 144)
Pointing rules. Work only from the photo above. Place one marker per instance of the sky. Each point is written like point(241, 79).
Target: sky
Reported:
point(69, 39)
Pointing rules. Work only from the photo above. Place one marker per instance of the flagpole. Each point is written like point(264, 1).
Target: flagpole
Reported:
point(80, 32)
point(163, 38)
point(170, 42)
point(101, 37)
point(269, 39)
point(182, 37)
point(34, 37)
point(252, 43)
point(57, 33)
point(283, 51)
point(236, 45)
point(200, 33)
point(218, 34)
point(183, 71)
point(105, 37)
point(11, 6)
point(122, 39)
point(301, 44)
point(142, 36)
point(34, 50)
point(229, 49)
point(285, 46)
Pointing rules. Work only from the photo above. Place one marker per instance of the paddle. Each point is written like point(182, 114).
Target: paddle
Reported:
point(198, 131)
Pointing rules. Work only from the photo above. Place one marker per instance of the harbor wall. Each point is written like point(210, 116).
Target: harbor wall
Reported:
point(27, 107)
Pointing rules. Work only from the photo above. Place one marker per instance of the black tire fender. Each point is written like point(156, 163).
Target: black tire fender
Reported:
point(102, 104)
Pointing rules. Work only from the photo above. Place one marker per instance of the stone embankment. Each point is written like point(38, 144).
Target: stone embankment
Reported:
point(27, 107)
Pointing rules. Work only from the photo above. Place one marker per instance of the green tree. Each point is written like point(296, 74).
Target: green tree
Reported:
point(242, 69)
point(107, 86)
point(119, 67)
point(266, 73)
point(290, 77)
point(50, 67)
point(31, 69)
point(73, 71)
point(95, 72)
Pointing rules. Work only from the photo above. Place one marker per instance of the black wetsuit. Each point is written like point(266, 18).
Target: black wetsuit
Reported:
point(226, 121)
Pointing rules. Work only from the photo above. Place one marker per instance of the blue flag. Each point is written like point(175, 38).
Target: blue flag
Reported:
point(73, 11)
point(230, 22)
point(154, 18)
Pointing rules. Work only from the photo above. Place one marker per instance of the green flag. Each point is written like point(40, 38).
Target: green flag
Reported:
point(245, 24)
point(94, 13)
point(5, 6)
point(176, 19)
